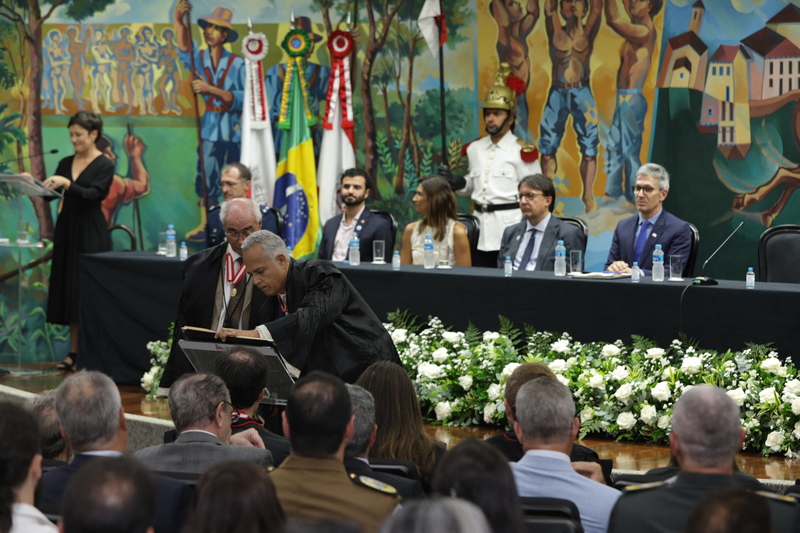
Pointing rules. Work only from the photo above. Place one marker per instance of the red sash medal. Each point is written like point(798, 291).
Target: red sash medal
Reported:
point(233, 277)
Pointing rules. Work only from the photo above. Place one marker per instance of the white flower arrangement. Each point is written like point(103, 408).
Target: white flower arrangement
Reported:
point(623, 391)
point(152, 378)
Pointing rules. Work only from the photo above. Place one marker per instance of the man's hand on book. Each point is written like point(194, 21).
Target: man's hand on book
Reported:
point(224, 333)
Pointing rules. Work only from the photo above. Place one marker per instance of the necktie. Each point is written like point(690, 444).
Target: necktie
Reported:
point(637, 252)
point(236, 302)
point(526, 257)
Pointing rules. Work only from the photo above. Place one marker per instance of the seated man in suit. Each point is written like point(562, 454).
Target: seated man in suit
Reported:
point(365, 431)
point(244, 372)
point(55, 450)
point(531, 244)
point(636, 237)
point(336, 235)
point(201, 410)
point(90, 412)
point(235, 181)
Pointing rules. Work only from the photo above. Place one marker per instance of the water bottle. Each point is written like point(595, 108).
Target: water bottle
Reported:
point(751, 279)
point(184, 251)
point(172, 248)
point(508, 266)
point(428, 252)
point(561, 259)
point(396, 260)
point(635, 272)
point(354, 255)
point(658, 264)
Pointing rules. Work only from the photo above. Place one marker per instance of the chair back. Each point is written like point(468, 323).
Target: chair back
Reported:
point(688, 269)
point(779, 254)
point(473, 225)
point(581, 225)
point(551, 524)
point(398, 467)
point(125, 229)
point(551, 507)
point(393, 221)
point(278, 219)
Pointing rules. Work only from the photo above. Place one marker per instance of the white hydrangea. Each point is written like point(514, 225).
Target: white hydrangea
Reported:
point(626, 420)
point(452, 336)
point(663, 422)
point(489, 336)
point(508, 370)
point(443, 410)
point(623, 393)
point(774, 440)
point(610, 350)
point(558, 366)
point(430, 370)
point(691, 365)
point(560, 346)
point(661, 391)
point(654, 353)
point(620, 373)
point(488, 411)
point(495, 391)
point(440, 355)
point(399, 335)
point(465, 382)
point(767, 396)
point(771, 365)
point(737, 395)
point(648, 414)
point(587, 414)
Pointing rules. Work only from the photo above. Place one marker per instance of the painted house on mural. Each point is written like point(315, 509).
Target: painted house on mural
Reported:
point(685, 59)
point(775, 69)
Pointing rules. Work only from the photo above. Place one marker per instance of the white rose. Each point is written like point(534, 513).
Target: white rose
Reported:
point(767, 396)
point(796, 406)
point(738, 396)
point(771, 365)
point(147, 380)
point(558, 366)
point(596, 381)
point(792, 386)
point(465, 382)
point(495, 391)
point(586, 414)
point(488, 410)
point(796, 431)
point(654, 353)
point(440, 355)
point(564, 381)
point(572, 361)
point(508, 370)
point(430, 371)
point(609, 350)
point(452, 336)
point(691, 365)
point(623, 393)
point(663, 422)
point(620, 373)
point(489, 336)
point(399, 335)
point(661, 391)
point(626, 421)
point(560, 346)
point(667, 372)
point(774, 440)
point(648, 414)
point(442, 410)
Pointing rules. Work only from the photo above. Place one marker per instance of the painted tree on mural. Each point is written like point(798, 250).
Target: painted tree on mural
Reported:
point(29, 16)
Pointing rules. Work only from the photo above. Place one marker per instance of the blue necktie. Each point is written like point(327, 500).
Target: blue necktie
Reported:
point(526, 257)
point(637, 252)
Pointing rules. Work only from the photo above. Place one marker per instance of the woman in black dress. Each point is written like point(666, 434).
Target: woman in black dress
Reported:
point(85, 179)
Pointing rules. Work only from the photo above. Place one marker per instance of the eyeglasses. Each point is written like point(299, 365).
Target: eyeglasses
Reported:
point(239, 234)
point(226, 402)
point(647, 189)
point(530, 196)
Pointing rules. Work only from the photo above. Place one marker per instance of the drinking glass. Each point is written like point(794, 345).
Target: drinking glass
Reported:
point(378, 252)
point(162, 243)
point(576, 261)
point(676, 267)
point(22, 231)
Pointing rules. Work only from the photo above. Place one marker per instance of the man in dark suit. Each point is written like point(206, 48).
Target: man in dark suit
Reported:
point(244, 372)
point(200, 407)
point(531, 244)
point(313, 313)
point(636, 237)
point(365, 431)
point(217, 290)
point(336, 235)
point(93, 423)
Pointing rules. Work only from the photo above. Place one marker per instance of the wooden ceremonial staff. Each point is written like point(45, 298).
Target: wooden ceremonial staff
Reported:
point(200, 151)
point(442, 21)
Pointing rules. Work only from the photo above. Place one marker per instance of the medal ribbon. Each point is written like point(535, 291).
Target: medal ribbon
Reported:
point(230, 275)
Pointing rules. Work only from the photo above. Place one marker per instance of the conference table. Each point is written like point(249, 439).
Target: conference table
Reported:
point(130, 298)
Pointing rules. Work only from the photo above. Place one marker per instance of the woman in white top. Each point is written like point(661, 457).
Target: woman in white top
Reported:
point(436, 203)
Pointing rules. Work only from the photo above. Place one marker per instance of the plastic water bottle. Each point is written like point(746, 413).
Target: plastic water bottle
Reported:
point(354, 254)
point(184, 251)
point(635, 272)
point(658, 264)
point(172, 248)
point(428, 252)
point(750, 282)
point(396, 260)
point(561, 259)
point(508, 267)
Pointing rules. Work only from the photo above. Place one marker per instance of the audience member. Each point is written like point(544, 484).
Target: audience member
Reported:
point(436, 516)
point(235, 497)
point(478, 473)
point(706, 435)
point(312, 483)
point(356, 185)
point(547, 426)
point(671, 470)
point(435, 201)
point(201, 410)
point(401, 434)
point(55, 451)
point(20, 471)
point(244, 371)
point(731, 511)
point(356, 454)
point(110, 495)
point(90, 411)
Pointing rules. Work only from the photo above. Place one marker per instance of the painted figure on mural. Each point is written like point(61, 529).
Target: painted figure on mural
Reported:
point(103, 63)
point(624, 143)
point(124, 190)
point(513, 27)
point(77, 50)
point(59, 68)
point(47, 88)
point(219, 79)
point(146, 53)
point(169, 83)
point(571, 47)
point(124, 52)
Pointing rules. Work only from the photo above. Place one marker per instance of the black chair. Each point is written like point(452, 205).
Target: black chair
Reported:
point(398, 467)
point(473, 225)
point(125, 229)
point(551, 524)
point(779, 254)
point(688, 269)
point(278, 218)
point(54, 518)
point(393, 221)
point(581, 225)
point(550, 507)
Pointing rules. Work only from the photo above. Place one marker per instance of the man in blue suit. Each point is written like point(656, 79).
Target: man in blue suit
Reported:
point(355, 188)
point(531, 244)
point(636, 236)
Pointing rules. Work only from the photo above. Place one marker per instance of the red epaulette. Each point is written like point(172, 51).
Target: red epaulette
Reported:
point(464, 148)
point(529, 155)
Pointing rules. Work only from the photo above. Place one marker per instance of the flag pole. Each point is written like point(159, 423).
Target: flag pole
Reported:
point(442, 22)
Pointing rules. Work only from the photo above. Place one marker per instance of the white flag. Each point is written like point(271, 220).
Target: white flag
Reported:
point(430, 21)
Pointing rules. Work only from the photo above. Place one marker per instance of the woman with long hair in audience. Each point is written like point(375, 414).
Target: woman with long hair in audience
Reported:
point(235, 497)
point(435, 201)
point(477, 472)
point(438, 515)
point(401, 434)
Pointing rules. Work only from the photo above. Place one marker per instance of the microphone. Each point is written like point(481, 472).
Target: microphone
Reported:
point(30, 156)
point(702, 280)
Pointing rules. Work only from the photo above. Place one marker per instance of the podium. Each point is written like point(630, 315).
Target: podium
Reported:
point(14, 345)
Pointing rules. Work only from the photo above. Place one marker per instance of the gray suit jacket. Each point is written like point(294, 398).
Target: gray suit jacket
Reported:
point(556, 230)
point(195, 452)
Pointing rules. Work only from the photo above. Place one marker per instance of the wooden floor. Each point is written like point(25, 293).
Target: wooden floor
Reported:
point(626, 456)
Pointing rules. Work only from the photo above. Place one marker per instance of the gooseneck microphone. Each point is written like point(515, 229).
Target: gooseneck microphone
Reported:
point(702, 280)
point(29, 156)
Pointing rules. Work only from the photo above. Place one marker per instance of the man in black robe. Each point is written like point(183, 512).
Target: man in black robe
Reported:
point(313, 313)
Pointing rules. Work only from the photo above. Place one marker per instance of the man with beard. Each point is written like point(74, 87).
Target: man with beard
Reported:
point(338, 231)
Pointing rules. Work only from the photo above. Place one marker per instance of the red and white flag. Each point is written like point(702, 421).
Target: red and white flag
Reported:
point(431, 23)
